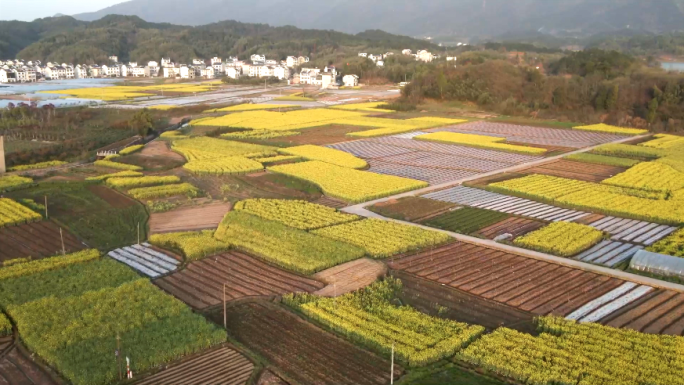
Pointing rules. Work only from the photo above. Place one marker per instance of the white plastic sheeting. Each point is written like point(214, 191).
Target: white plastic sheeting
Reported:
point(655, 263)
point(600, 301)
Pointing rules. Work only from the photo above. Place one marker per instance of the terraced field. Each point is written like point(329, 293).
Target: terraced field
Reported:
point(533, 135)
point(36, 240)
point(200, 284)
point(301, 352)
point(575, 170)
point(216, 366)
point(189, 219)
point(530, 285)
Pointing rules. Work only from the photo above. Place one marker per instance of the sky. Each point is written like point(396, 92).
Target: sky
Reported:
point(27, 10)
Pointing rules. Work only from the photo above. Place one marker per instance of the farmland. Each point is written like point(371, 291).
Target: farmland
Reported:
point(267, 211)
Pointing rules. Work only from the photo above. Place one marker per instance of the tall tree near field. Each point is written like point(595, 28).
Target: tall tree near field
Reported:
point(142, 122)
point(612, 99)
point(652, 110)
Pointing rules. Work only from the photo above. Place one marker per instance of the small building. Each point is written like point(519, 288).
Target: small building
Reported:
point(350, 80)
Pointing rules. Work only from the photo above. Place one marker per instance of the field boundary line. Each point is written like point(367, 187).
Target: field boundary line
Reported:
point(361, 206)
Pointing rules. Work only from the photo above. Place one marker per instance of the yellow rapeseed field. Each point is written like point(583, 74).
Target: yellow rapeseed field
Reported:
point(346, 183)
point(480, 141)
point(611, 129)
point(327, 155)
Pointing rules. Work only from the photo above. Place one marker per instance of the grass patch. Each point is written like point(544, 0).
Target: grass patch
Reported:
point(602, 159)
point(466, 220)
point(410, 209)
point(101, 224)
point(448, 374)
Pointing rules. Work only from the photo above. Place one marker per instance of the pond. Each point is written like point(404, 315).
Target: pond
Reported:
point(673, 66)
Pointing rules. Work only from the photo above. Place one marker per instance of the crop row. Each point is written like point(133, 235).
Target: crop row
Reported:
point(116, 165)
point(664, 141)
point(564, 239)
point(33, 267)
point(570, 353)
point(164, 191)
point(348, 184)
point(617, 201)
point(381, 239)
point(13, 182)
point(131, 149)
point(298, 214)
point(12, 213)
point(223, 166)
point(120, 174)
point(672, 245)
point(128, 182)
point(611, 129)
point(649, 176)
point(36, 166)
point(369, 318)
point(192, 245)
point(327, 155)
point(479, 141)
point(586, 157)
point(205, 148)
point(272, 160)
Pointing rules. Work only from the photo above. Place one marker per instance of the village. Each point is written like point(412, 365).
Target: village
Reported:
point(20, 71)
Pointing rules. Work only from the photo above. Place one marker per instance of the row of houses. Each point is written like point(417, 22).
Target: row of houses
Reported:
point(18, 71)
point(379, 59)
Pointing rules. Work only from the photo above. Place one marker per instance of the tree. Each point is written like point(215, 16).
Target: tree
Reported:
point(142, 122)
point(612, 98)
point(652, 110)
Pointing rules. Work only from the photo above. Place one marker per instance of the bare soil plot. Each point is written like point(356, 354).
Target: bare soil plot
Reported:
point(514, 226)
point(114, 198)
point(576, 170)
point(435, 299)
point(350, 276)
point(590, 219)
point(200, 284)
point(530, 285)
point(411, 209)
point(189, 218)
point(301, 352)
point(160, 148)
point(36, 240)
point(216, 366)
point(16, 368)
point(268, 378)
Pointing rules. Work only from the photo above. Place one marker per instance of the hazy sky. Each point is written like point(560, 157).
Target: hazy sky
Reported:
point(28, 10)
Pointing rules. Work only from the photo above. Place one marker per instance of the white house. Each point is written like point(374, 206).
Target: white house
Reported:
point(451, 58)
point(94, 71)
point(81, 71)
point(424, 55)
point(3, 75)
point(281, 72)
point(207, 72)
point(327, 79)
point(303, 59)
point(166, 62)
point(258, 59)
point(271, 62)
point(233, 72)
point(407, 52)
point(114, 58)
point(380, 63)
point(308, 75)
point(331, 69)
point(363, 54)
point(171, 72)
point(350, 80)
point(265, 71)
point(197, 62)
point(186, 72)
point(291, 61)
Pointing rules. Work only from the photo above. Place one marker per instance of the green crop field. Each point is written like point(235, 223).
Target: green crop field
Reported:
point(466, 220)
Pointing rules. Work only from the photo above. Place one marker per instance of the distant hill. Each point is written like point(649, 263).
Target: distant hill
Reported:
point(420, 17)
point(132, 38)
point(16, 35)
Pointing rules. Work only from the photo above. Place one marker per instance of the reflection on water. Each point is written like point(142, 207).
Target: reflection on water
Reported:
point(54, 85)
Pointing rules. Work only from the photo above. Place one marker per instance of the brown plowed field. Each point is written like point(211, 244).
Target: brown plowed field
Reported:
point(514, 226)
point(435, 299)
point(217, 366)
point(350, 276)
point(115, 199)
point(37, 240)
point(576, 170)
point(590, 219)
point(527, 284)
point(301, 352)
point(320, 136)
point(160, 148)
point(200, 284)
point(189, 218)
point(660, 312)
point(15, 368)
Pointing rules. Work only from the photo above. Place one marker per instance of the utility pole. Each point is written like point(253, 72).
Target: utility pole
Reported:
point(118, 355)
point(225, 319)
point(392, 369)
point(138, 233)
point(62, 238)
point(46, 210)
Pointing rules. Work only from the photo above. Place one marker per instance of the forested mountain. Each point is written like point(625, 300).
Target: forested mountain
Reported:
point(16, 35)
point(131, 38)
point(420, 17)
